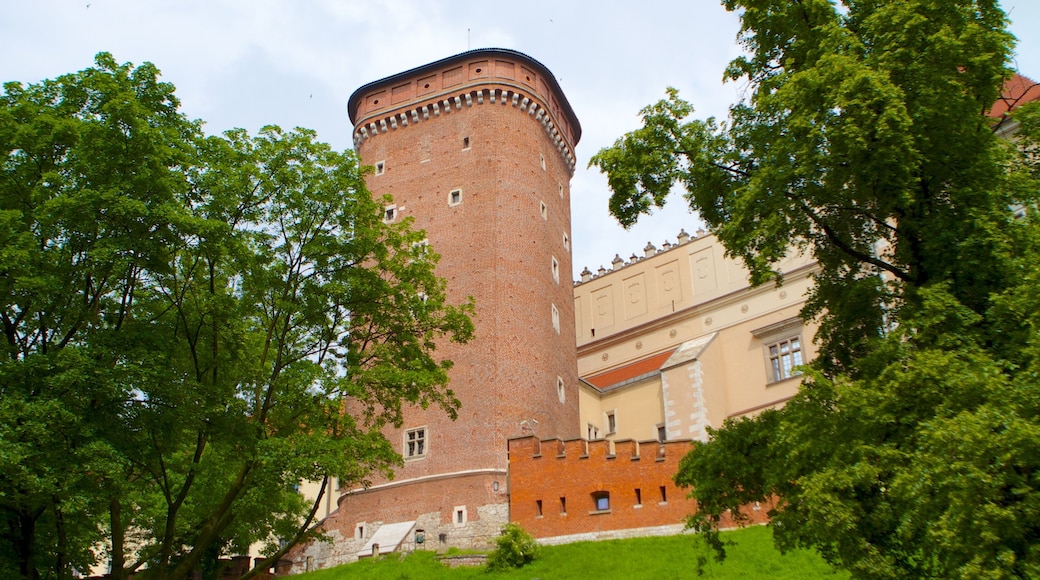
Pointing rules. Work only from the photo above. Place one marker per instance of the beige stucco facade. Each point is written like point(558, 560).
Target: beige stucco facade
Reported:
point(676, 341)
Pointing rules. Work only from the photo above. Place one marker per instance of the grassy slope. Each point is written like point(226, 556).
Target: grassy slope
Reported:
point(752, 556)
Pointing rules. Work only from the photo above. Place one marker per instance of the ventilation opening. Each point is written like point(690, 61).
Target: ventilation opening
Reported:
point(538, 506)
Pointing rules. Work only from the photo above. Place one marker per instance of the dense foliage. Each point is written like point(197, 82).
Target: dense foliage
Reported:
point(911, 450)
point(514, 548)
point(185, 320)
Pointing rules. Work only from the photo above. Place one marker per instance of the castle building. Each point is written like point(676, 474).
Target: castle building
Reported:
point(478, 150)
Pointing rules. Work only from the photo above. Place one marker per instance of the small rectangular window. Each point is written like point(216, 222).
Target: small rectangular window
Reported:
point(538, 506)
point(611, 423)
point(460, 516)
point(454, 197)
point(415, 443)
point(593, 432)
point(465, 142)
point(544, 210)
point(555, 270)
point(662, 433)
point(555, 319)
point(664, 494)
point(541, 161)
point(563, 506)
point(390, 213)
point(783, 357)
point(639, 496)
point(380, 167)
point(601, 500)
point(561, 392)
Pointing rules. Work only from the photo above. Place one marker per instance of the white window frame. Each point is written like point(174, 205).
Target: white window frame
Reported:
point(380, 167)
point(776, 336)
point(783, 357)
point(608, 418)
point(451, 197)
point(390, 213)
point(555, 269)
point(423, 443)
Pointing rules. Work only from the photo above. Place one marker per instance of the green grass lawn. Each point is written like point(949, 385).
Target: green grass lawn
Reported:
point(672, 557)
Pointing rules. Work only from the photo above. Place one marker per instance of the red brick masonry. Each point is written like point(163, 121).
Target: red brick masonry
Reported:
point(555, 485)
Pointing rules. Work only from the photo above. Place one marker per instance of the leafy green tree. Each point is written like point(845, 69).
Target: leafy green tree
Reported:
point(187, 321)
point(514, 548)
point(909, 450)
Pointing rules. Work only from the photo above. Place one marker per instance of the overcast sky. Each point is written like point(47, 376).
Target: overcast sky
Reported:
point(294, 63)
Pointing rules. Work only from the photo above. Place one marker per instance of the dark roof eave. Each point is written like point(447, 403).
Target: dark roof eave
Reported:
point(355, 98)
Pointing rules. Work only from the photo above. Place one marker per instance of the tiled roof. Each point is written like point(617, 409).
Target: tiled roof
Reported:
point(1018, 90)
point(629, 371)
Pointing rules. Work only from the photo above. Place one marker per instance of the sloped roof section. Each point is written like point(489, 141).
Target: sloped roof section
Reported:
point(630, 371)
point(1018, 90)
point(388, 537)
point(689, 351)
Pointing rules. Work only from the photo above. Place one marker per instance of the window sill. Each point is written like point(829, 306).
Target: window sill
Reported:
point(788, 379)
point(598, 512)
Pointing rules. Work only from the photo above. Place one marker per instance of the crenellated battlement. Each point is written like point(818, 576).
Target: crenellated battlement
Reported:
point(520, 100)
point(576, 489)
point(583, 449)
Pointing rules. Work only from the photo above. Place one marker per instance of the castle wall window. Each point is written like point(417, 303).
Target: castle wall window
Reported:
point(664, 494)
point(543, 210)
point(555, 270)
point(541, 161)
point(563, 506)
point(566, 242)
point(454, 197)
point(593, 432)
point(639, 497)
point(538, 506)
point(561, 392)
point(415, 443)
point(560, 186)
point(380, 167)
point(460, 516)
point(390, 213)
point(556, 319)
point(465, 143)
point(611, 422)
point(783, 357)
point(601, 502)
point(782, 344)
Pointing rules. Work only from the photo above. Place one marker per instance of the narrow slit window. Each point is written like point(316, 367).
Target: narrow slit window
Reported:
point(561, 392)
point(563, 506)
point(465, 142)
point(544, 210)
point(541, 161)
point(664, 494)
point(639, 496)
point(538, 506)
point(556, 319)
point(566, 242)
point(555, 270)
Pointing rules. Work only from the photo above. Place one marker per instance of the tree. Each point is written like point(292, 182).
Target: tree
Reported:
point(908, 451)
point(187, 320)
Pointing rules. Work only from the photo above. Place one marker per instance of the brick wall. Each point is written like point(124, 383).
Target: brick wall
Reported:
point(567, 477)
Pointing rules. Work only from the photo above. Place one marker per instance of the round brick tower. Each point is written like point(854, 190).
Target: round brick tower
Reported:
point(478, 149)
